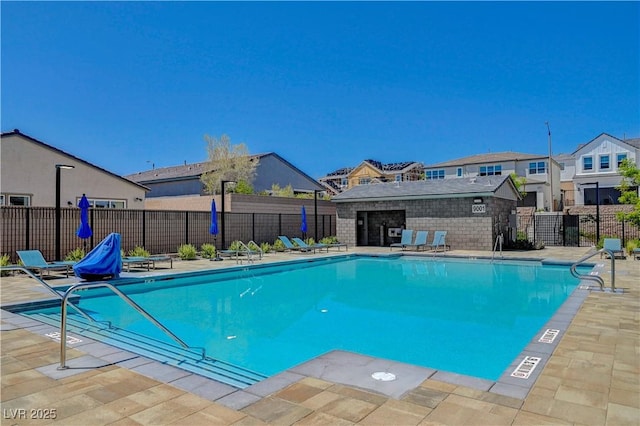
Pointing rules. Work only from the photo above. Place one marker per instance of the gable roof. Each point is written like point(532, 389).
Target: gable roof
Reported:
point(383, 168)
point(423, 189)
point(17, 132)
point(494, 157)
point(632, 143)
point(195, 170)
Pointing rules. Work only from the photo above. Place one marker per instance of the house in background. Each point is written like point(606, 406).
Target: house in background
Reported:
point(540, 187)
point(595, 165)
point(184, 180)
point(28, 176)
point(372, 171)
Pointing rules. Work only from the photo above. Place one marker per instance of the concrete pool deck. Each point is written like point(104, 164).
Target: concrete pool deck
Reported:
point(591, 377)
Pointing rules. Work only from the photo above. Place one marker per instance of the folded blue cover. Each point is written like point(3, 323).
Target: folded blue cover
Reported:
point(104, 261)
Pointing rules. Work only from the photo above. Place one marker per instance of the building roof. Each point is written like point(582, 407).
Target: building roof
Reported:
point(16, 132)
point(494, 157)
point(195, 170)
point(633, 142)
point(402, 166)
point(442, 188)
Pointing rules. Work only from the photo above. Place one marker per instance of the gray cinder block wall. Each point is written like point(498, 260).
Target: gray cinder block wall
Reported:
point(465, 229)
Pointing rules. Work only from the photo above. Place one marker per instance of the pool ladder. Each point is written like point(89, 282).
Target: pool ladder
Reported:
point(81, 286)
point(127, 299)
point(498, 244)
point(596, 278)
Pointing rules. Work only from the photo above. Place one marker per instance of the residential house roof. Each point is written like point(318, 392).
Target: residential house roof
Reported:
point(421, 189)
point(401, 167)
point(634, 142)
point(494, 157)
point(17, 132)
point(195, 170)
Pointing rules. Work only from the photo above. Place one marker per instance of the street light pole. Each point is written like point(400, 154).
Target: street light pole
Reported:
point(222, 183)
point(550, 169)
point(597, 184)
point(315, 210)
point(58, 211)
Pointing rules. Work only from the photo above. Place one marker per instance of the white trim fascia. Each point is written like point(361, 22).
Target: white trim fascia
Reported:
point(418, 197)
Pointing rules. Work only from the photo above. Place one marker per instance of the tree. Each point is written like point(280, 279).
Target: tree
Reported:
point(226, 162)
point(629, 191)
point(519, 182)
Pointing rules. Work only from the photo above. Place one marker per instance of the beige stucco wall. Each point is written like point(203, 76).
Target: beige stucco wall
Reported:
point(240, 203)
point(28, 168)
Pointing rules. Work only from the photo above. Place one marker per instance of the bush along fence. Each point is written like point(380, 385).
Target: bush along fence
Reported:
point(574, 230)
point(158, 231)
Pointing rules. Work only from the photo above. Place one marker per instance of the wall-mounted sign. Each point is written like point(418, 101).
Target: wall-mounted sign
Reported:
point(478, 208)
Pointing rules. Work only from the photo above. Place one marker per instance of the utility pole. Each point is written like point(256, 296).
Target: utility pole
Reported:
point(550, 170)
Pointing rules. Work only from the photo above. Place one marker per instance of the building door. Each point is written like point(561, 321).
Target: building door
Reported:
point(362, 236)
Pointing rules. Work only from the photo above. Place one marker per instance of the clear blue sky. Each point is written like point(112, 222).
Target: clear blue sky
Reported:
point(324, 85)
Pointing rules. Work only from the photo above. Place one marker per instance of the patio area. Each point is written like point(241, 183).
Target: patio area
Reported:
point(592, 377)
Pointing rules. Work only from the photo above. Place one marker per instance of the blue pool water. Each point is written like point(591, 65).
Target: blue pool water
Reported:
point(462, 316)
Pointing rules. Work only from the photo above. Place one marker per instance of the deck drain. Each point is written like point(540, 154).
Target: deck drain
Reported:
point(526, 367)
point(383, 376)
point(549, 336)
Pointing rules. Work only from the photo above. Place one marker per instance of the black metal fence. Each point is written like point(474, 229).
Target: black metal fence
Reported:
point(575, 230)
point(158, 231)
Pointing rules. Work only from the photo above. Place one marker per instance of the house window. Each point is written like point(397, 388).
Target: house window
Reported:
point(107, 204)
point(490, 170)
point(604, 162)
point(587, 163)
point(459, 172)
point(620, 158)
point(344, 182)
point(561, 166)
point(537, 167)
point(364, 181)
point(483, 170)
point(398, 178)
point(434, 174)
point(15, 200)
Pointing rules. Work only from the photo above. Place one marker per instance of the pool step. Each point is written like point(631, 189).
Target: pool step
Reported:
point(187, 359)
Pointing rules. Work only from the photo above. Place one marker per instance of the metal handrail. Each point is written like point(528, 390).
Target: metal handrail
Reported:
point(45, 285)
point(596, 278)
point(130, 302)
point(258, 246)
point(499, 241)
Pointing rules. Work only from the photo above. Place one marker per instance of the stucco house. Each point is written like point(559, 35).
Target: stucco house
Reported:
point(183, 180)
point(473, 211)
point(29, 169)
point(595, 164)
point(542, 181)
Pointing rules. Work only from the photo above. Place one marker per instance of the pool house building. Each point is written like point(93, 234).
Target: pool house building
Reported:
point(473, 211)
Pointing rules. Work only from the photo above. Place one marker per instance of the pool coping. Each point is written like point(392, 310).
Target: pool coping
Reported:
point(338, 366)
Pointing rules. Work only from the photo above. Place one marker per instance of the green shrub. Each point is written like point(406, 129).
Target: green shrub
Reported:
point(187, 252)
point(310, 241)
point(75, 255)
point(208, 251)
point(331, 239)
point(631, 245)
point(278, 245)
point(253, 246)
point(5, 260)
point(266, 247)
point(236, 246)
point(139, 252)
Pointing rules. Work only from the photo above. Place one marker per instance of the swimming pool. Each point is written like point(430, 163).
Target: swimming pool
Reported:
point(462, 316)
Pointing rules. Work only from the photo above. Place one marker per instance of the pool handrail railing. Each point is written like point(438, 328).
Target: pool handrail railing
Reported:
point(128, 300)
point(45, 285)
point(596, 278)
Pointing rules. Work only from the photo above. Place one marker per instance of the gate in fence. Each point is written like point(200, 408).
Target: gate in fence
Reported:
point(557, 229)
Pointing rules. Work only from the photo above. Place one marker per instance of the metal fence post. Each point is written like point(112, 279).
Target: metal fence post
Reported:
point(27, 214)
point(186, 227)
point(144, 229)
